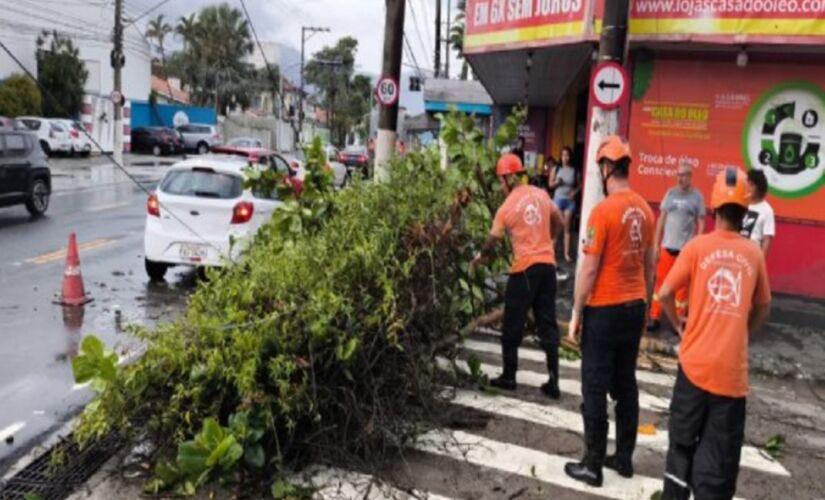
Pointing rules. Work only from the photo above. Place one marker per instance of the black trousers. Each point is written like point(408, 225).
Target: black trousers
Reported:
point(706, 436)
point(610, 346)
point(534, 289)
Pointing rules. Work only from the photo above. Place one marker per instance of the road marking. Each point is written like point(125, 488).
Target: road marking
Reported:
point(11, 430)
point(61, 254)
point(559, 418)
point(530, 463)
point(573, 387)
point(110, 206)
point(536, 355)
point(339, 484)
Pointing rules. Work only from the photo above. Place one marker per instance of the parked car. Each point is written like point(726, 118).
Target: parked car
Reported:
point(201, 215)
point(156, 140)
point(199, 137)
point(338, 169)
point(52, 136)
point(244, 142)
point(355, 157)
point(81, 144)
point(294, 174)
point(25, 177)
point(9, 123)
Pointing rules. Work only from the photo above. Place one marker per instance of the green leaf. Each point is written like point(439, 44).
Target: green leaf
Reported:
point(219, 452)
point(254, 455)
point(346, 352)
point(282, 489)
point(211, 435)
point(232, 455)
point(191, 459)
point(94, 364)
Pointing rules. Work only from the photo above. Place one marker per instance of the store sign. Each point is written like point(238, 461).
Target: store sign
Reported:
point(802, 21)
point(508, 24)
point(715, 115)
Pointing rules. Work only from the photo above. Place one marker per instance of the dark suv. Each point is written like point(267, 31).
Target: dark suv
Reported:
point(156, 140)
point(24, 172)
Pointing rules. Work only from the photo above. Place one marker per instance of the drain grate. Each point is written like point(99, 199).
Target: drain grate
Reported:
point(42, 480)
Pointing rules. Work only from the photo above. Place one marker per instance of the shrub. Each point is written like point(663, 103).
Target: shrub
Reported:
point(19, 96)
point(321, 343)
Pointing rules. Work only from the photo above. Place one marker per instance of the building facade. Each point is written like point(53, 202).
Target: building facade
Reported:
point(714, 83)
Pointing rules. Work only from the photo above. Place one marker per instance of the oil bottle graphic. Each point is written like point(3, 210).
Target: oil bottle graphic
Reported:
point(788, 156)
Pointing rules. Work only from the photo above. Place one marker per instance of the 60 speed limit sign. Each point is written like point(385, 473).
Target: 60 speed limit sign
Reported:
point(387, 91)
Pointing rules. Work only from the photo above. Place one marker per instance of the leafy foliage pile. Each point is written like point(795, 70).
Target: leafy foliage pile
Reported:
point(321, 343)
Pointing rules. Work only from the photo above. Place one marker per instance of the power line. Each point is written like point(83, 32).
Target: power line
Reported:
point(149, 11)
point(427, 23)
point(275, 81)
point(417, 29)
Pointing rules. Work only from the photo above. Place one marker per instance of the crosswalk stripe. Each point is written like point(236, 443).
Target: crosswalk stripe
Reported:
point(530, 463)
point(536, 355)
point(573, 387)
point(339, 484)
point(552, 416)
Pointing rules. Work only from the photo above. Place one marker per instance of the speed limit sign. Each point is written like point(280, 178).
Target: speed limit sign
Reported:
point(387, 91)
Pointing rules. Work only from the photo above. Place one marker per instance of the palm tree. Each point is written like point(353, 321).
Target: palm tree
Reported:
point(457, 37)
point(158, 29)
point(187, 29)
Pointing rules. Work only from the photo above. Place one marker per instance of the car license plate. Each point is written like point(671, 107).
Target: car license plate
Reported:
point(193, 252)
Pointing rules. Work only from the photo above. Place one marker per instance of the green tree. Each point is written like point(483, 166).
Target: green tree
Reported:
point(19, 96)
point(62, 74)
point(345, 95)
point(186, 29)
point(457, 37)
point(158, 29)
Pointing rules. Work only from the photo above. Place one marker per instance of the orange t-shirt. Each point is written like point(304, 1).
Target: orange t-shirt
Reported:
point(526, 215)
point(726, 273)
point(620, 230)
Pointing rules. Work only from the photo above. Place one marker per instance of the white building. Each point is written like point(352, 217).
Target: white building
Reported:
point(90, 25)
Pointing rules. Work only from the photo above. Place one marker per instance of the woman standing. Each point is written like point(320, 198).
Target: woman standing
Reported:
point(566, 183)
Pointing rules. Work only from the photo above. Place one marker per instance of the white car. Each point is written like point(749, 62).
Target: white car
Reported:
point(200, 215)
point(81, 144)
point(52, 135)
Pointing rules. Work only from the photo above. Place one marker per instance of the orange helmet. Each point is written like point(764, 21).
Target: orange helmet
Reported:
point(731, 186)
point(613, 148)
point(509, 164)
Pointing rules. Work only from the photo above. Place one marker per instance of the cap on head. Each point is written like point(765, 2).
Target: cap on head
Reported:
point(509, 164)
point(613, 148)
point(731, 186)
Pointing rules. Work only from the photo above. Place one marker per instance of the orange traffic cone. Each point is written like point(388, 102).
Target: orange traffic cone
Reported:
point(73, 292)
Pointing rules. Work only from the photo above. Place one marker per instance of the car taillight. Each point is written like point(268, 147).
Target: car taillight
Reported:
point(342, 157)
point(362, 158)
point(242, 213)
point(74, 134)
point(153, 206)
point(294, 164)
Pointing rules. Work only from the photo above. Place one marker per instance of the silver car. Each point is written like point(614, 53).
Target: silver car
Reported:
point(199, 137)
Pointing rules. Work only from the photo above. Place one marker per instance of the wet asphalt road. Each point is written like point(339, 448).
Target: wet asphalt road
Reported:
point(38, 338)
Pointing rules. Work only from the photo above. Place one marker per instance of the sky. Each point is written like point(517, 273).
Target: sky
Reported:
point(281, 21)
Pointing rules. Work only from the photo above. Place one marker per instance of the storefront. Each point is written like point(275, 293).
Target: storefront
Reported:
point(715, 83)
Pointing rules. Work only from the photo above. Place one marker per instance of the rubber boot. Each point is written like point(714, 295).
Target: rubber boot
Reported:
point(551, 387)
point(589, 470)
point(507, 379)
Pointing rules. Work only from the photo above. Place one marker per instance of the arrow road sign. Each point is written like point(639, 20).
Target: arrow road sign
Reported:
point(609, 85)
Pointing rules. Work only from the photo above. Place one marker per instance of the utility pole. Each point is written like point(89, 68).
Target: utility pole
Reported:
point(437, 64)
point(304, 30)
point(388, 115)
point(117, 66)
point(612, 48)
point(447, 40)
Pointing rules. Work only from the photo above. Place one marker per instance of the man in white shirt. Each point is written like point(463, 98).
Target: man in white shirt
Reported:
point(759, 224)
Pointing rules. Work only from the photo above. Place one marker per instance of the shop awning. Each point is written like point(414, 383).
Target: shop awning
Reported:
point(463, 95)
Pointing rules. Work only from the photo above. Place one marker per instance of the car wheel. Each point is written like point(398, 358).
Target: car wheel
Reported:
point(38, 201)
point(46, 148)
point(157, 150)
point(155, 270)
point(203, 148)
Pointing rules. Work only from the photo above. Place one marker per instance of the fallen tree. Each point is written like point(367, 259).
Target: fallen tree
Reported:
point(320, 345)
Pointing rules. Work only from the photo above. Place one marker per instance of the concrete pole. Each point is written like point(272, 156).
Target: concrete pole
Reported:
point(117, 66)
point(612, 47)
point(388, 115)
point(437, 62)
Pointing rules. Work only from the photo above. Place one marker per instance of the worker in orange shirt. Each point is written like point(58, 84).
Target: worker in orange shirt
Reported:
point(533, 222)
point(610, 306)
point(729, 298)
